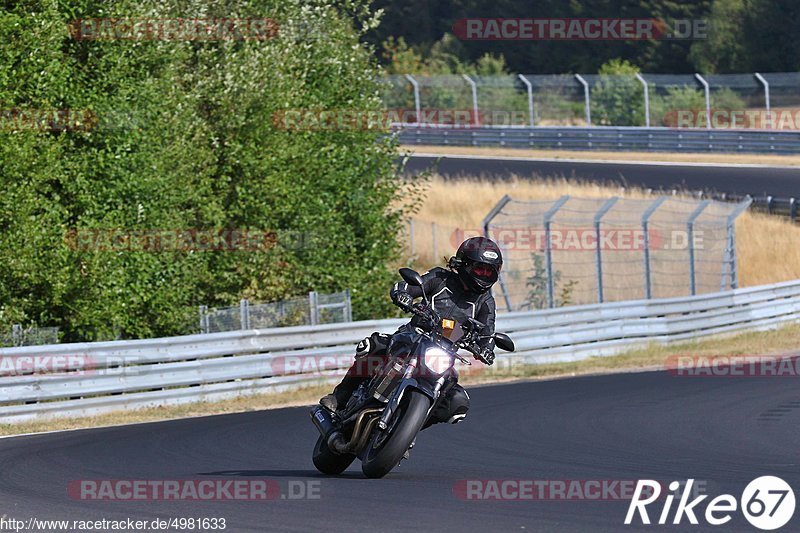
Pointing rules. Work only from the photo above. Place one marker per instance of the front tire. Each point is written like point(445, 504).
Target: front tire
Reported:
point(379, 462)
point(328, 462)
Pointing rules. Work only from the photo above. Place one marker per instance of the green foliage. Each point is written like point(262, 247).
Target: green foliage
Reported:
point(617, 98)
point(185, 139)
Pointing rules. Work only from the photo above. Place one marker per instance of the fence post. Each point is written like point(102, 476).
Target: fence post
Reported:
point(530, 98)
point(731, 248)
point(411, 235)
point(586, 99)
point(348, 306)
point(765, 83)
point(598, 257)
point(792, 209)
point(646, 100)
point(548, 256)
point(690, 227)
point(417, 105)
point(485, 225)
point(312, 308)
point(204, 319)
point(16, 334)
point(435, 248)
point(708, 98)
point(476, 119)
point(244, 314)
point(648, 290)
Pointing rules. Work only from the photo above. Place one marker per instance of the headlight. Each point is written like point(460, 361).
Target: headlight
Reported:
point(438, 360)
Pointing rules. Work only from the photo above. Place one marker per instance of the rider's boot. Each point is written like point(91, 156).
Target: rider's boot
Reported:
point(338, 398)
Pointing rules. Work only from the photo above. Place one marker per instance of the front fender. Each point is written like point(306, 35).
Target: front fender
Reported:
point(422, 386)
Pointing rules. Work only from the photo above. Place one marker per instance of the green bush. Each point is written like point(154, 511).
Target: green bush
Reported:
point(185, 139)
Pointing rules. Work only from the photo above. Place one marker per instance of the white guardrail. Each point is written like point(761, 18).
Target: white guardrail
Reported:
point(108, 376)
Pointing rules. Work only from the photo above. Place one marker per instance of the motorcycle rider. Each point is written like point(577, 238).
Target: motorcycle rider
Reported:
point(462, 291)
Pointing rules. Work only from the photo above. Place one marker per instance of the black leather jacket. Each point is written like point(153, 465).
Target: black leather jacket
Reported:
point(452, 300)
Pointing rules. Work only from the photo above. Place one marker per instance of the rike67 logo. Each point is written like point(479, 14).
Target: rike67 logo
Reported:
point(767, 503)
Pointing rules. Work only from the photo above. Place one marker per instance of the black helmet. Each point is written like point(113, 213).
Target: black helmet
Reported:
point(478, 262)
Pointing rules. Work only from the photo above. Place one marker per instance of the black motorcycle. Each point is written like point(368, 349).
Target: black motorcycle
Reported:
point(384, 415)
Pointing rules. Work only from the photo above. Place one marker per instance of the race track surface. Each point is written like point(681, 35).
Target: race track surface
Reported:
point(753, 180)
point(724, 431)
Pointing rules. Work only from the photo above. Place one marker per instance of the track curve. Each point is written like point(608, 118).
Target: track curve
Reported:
point(628, 426)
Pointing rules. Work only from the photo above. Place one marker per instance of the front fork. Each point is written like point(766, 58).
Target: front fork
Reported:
point(408, 381)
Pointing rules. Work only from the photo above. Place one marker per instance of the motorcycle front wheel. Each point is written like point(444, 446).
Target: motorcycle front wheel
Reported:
point(328, 462)
point(385, 451)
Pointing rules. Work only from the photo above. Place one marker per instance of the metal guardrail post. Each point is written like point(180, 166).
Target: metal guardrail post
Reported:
point(313, 311)
point(548, 253)
point(646, 100)
point(598, 257)
point(690, 228)
point(417, 105)
point(587, 100)
point(648, 290)
point(707, 90)
point(530, 97)
point(485, 225)
point(765, 83)
point(476, 121)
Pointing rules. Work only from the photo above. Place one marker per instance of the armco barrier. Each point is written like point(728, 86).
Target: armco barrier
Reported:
point(152, 372)
point(607, 138)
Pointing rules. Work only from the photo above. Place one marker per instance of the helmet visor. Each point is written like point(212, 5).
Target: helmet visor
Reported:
point(484, 272)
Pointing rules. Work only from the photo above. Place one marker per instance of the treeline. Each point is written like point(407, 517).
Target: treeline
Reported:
point(123, 138)
point(742, 35)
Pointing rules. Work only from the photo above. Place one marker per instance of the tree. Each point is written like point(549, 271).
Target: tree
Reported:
point(188, 136)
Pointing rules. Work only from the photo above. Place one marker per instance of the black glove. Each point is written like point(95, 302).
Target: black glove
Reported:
point(426, 318)
point(486, 355)
point(403, 300)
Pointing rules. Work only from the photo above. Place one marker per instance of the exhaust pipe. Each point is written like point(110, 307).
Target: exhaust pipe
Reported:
point(321, 418)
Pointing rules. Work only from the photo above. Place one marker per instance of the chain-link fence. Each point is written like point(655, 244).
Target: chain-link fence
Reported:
point(580, 250)
point(719, 101)
point(312, 310)
point(29, 336)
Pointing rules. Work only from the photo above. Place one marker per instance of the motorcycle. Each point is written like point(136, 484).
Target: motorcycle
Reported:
point(383, 416)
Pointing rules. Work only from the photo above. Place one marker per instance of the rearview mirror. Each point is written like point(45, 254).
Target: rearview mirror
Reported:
point(411, 277)
point(504, 342)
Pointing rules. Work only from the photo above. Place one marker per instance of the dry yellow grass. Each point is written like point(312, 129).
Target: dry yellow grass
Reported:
point(759, 159)
point(768, 247)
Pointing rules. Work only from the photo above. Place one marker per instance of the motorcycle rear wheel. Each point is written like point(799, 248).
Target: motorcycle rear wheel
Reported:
point(412, 413)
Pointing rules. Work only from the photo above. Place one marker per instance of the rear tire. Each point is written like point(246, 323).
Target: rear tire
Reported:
point(378, 463)
point(328, 462)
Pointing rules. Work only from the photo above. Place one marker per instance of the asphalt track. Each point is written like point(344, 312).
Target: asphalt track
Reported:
point(724, 431)
point(779, 181)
